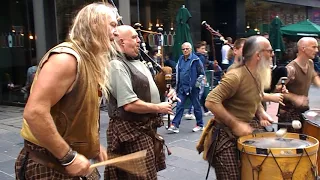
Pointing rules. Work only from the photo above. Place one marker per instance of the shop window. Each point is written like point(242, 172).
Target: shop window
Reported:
point(17, 49)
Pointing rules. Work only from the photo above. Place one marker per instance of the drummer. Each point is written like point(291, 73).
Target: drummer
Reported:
point(301, 74)
point(234, 102)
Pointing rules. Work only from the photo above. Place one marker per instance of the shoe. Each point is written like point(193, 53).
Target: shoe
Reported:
point(209, 113)
point(197, 128)
point(165, 117)
point(189, 116)
point(174, 129)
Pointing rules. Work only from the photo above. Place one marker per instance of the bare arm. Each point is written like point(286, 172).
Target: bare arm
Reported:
point(264, 118)
point(297, 100)
point(53, 82)
point(290, 96)
point(273, 97)
point(142, 107)
point(316, 81)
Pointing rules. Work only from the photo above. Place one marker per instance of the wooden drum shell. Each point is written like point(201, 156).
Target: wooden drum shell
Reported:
point(287, 159)
point(313, 130)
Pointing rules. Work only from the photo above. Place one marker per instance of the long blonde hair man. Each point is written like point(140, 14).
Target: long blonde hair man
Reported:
point(92, 41)
point(61, 117)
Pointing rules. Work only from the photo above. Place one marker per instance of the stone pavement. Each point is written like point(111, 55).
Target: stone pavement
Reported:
point(10, 142)
point(184, 163)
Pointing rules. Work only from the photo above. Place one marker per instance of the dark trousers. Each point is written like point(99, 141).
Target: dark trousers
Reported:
point(194, 97)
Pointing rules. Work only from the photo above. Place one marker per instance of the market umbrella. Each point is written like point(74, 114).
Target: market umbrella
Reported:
point(182, 31)
point(275, 37)
point(302, 28)
point(251, 32)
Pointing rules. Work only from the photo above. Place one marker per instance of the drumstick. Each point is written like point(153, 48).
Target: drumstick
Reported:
point(281, 132)
point(296, 124)
point(128, 157)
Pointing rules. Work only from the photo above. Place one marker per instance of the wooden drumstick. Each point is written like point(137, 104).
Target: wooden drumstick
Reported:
point(128, 157)
point(296, 124)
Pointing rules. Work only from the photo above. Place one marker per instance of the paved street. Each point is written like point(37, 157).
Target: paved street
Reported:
point(184, 163)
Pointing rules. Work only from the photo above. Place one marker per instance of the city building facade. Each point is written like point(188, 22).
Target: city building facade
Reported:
point(29, 28)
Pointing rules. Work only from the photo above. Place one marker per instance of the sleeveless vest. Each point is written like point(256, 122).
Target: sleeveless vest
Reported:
point(76, 115)
point(301, 84)
point(140, 86)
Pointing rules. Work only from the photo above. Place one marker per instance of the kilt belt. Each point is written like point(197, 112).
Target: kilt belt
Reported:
point(44, 159)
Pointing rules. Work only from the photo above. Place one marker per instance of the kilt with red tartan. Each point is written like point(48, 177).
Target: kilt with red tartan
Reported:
point(34, 170)
point(125, 137)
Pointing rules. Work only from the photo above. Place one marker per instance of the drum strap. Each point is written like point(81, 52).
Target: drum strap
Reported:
point(215, 145)
point(212, 148)
point(22, 171)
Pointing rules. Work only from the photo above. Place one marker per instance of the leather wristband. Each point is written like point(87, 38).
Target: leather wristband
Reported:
point(68, 158)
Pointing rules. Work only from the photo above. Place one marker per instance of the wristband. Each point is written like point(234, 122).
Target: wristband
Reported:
point(68, 158)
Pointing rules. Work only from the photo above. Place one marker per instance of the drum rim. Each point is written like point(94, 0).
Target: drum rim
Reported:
point(282, 152)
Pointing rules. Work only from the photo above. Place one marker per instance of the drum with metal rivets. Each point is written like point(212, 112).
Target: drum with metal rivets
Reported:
point(265, 156)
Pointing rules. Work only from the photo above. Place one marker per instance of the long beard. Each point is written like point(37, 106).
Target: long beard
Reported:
point(264, 73)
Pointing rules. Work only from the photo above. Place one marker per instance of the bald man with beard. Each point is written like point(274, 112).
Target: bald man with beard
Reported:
point(234, 102)
point(301, 75)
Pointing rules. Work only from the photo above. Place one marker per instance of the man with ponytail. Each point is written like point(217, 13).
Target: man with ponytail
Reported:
point(61, 118)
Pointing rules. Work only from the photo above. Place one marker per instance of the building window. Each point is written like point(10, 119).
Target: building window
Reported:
point(259, 14)
point(17, 49)
point(66, 11)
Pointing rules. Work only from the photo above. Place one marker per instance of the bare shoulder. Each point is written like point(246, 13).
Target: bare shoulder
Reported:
point(310, 61)
point(54, 79)
point(62, 61)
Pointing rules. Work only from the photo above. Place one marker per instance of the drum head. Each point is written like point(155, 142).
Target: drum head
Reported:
point(275, 142)
point(313, 117)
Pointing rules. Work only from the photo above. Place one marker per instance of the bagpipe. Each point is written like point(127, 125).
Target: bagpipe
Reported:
point(162, 75)
point(213, 34)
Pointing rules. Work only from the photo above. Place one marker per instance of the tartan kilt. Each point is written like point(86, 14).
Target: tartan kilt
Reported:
point(145, 169)
point(226, 157)
point(288, 116)
point(34, 170)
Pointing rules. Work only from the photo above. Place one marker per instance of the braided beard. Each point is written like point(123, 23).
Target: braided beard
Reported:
point(264, 73)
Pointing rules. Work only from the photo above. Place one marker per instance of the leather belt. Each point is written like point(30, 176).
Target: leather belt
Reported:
point(42, 158)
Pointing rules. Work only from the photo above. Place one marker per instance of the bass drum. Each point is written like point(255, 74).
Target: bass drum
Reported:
point(311, 126)
point(267, 157)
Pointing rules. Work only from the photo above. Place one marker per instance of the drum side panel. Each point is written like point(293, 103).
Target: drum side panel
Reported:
point(270, 169)
point(314, 131)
